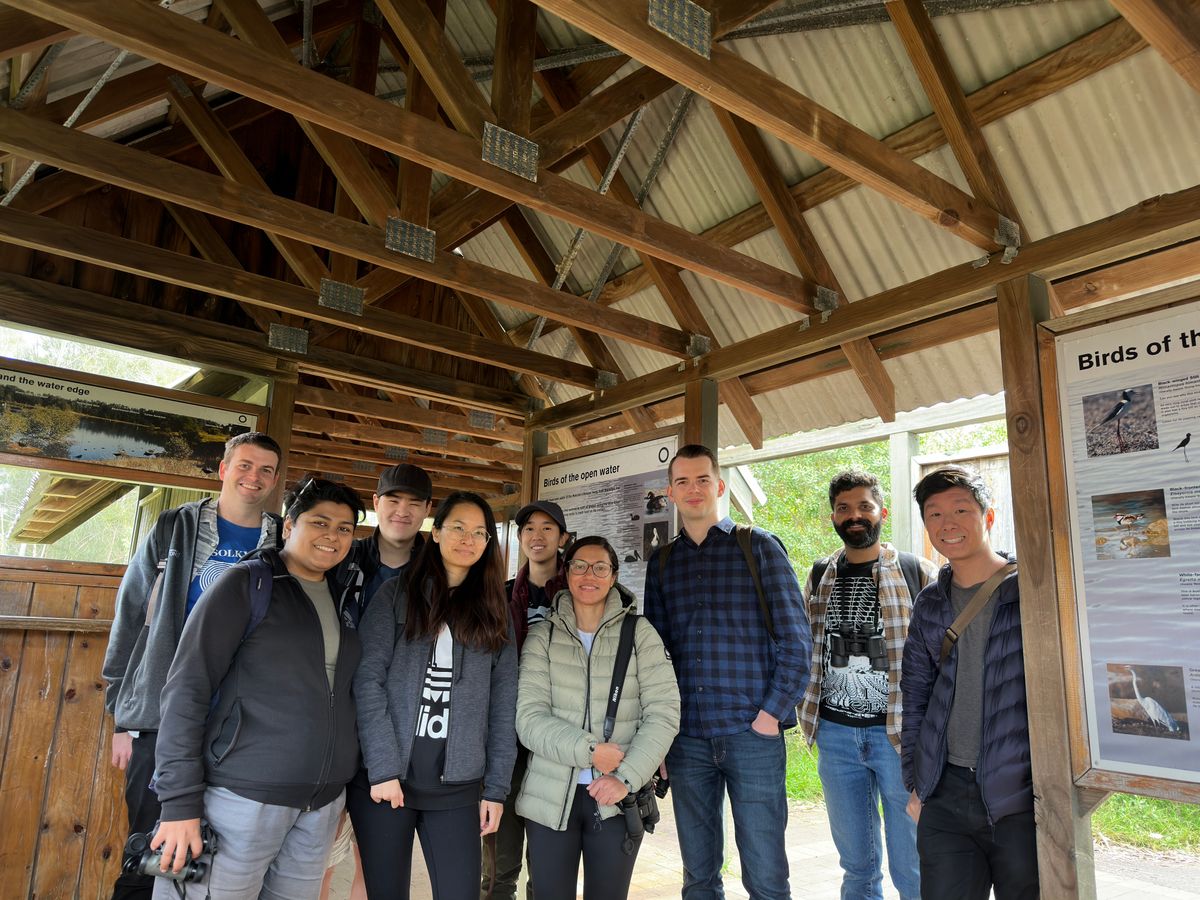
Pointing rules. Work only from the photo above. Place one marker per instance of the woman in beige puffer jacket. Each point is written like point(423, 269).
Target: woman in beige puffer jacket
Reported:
point(575, 780)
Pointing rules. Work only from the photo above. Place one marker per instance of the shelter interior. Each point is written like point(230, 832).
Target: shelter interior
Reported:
point(442, 230)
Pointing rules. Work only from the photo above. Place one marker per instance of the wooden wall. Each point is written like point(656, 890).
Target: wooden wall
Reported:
point(61, 808)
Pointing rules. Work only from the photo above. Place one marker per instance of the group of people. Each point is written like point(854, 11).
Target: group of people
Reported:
point(305, 695)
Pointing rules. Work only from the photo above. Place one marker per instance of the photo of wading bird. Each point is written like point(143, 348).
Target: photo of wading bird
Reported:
point(1155, 711)
point(1128, 520)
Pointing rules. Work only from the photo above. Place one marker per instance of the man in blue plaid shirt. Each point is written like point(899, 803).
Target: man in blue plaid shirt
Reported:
point(739, 685)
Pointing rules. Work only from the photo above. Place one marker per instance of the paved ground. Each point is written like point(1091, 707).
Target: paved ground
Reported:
point(1121, 873)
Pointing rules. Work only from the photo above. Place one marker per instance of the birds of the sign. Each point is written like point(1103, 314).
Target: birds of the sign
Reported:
point(1128, 520)
point(1120, 408)
point(1183, 445)
point(1154, 710)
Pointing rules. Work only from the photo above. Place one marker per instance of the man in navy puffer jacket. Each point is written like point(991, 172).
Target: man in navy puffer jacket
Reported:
point(965, 739)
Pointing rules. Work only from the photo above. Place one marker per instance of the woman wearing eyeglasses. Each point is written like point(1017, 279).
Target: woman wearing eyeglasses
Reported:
point(576, 779)
point(436, 693)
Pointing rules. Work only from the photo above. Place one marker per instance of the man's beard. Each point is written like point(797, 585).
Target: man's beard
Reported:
point(859, 539)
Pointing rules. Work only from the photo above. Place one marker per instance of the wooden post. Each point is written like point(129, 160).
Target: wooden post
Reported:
point(1064, 840)
point(279, 426)
point(902, 447)
point(700, 413)
point(536, 444)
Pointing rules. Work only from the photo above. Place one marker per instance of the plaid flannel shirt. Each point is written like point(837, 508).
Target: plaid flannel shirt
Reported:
point(895, 608)
point(706, 610)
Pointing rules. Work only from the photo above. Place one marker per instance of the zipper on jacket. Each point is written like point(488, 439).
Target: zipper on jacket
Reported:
point(454, 679)
point(331, 712)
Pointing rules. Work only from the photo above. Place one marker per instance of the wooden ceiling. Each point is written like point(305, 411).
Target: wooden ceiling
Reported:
point(195, 239)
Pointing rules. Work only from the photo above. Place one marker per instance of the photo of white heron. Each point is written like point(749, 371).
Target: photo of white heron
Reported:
point(1148, 701)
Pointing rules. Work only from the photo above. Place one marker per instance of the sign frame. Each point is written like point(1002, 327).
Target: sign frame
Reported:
point(257, 419)
point(1088, 769)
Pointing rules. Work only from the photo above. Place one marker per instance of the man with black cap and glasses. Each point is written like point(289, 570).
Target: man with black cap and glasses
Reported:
point(403, 499)
point(542, 531)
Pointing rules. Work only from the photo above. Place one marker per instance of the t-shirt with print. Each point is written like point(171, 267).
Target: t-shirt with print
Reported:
point(539, 604)
point(233, 542)
point(853, 694)
point(423, 786)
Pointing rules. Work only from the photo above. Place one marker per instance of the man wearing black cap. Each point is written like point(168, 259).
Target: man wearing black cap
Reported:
point(542, 530)
point(402, 500)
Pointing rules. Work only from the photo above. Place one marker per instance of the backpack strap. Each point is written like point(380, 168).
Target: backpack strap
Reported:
point(744, 534)
point(262, 581)
point(164, 527)
point(910, 567)
point(620, 665)
point(818, 572)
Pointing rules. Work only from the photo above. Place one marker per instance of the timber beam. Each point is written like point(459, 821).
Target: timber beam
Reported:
point(1172, 27)
point(1157, 222)
point(496, 473)
point(204, 53)
point(176, 183)
point(122, 254)
point(727, 80)
point(395, 437)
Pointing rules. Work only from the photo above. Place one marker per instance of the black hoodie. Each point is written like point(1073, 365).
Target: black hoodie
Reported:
point(256, 715)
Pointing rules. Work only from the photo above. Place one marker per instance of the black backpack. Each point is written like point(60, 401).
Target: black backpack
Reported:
point(910, 565)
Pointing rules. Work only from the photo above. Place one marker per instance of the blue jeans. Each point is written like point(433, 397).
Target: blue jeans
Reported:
point(752, 769)
point(858, 768)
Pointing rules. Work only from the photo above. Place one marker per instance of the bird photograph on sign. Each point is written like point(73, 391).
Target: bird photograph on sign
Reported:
point(1122, 421)
point(1131, 525)
point(1148, 701)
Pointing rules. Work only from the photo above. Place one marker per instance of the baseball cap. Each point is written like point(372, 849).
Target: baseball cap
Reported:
point(405, 477)
point(550, 508)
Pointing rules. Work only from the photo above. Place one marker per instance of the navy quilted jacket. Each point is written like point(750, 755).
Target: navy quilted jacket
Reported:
point(1004, 774)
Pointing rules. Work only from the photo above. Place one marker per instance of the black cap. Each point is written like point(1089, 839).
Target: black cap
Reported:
point(405, 477)
point(550, 508)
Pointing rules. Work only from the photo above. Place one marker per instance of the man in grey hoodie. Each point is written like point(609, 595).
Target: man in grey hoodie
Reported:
point(185, 551)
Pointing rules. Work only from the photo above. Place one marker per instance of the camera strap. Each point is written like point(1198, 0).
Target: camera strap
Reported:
point(972, 609)
point(620, 665)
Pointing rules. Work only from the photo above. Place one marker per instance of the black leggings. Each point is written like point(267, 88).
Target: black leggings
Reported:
point(449, 841)
point(554, 855)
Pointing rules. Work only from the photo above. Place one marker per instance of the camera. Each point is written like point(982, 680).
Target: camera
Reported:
point(140, 859)
point(857, 642)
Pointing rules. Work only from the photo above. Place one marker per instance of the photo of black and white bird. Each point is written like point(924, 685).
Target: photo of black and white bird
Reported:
point(1148, 701)
point(1183, 445)
point(1120, 421)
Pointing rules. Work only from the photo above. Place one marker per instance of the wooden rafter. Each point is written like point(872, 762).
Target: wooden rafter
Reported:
point(1157, 222)
point(1059, 69)
point(944, 91)
point(233, 163)
point(354, 173)
point(730, 81)
point(512, 82)
point(204, 53)
point(415, 181)
point(1172, 27)
point(496, 473)
point(23, 33)
point(806, 253)
point(209, 193)
point(396, 437)
point(99, 248)
point(407, 414)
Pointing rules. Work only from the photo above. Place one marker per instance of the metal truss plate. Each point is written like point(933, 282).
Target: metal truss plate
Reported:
point(409, 238)
point(434, 437)
point(510, 488)
point(333, 476)
point(684, 22)
point(509, 151)
point(1008, 233)
point(284, 337)
point(362, 465)
point(482, 419)
point(341, 296)
point(826, 299)
point(698, 345)
point(398, 453)
point(605, 380)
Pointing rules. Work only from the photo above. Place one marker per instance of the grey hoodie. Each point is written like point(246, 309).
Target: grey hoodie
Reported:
point(481, 743)
point(139, 653)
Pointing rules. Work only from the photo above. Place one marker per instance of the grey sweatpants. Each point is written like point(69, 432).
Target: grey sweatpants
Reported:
point(264, 852)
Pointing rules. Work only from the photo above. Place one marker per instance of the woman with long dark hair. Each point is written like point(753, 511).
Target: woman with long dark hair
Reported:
point(577, 778)
point(256, 711)
point(436, 692)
